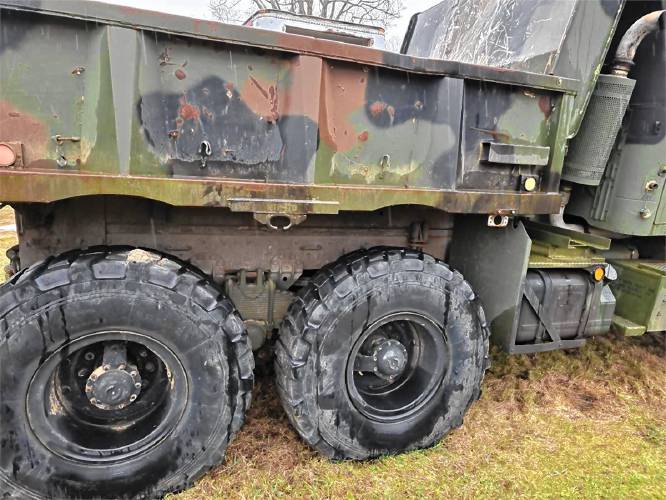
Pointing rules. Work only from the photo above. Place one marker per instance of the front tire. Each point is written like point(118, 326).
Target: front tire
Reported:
point(122, 374)
point(381, 353)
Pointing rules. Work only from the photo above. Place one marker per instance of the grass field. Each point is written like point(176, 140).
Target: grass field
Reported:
point(589, 423)
point(581, 424)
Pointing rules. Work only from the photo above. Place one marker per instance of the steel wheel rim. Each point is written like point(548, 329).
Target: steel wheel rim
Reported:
point(428, 359)
point(60, 421)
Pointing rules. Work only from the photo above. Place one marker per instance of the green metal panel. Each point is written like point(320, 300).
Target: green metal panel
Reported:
point(641, 293)
point(494, 261)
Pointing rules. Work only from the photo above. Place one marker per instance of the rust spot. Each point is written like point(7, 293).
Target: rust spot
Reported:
point(188, 111)
point(31, 131)
point(545, 105)
point(207, 112)
point(259, 87)
point(377, 107)
point(363, 136)
point(180, 74)
point(274, 102)
point(271, 115)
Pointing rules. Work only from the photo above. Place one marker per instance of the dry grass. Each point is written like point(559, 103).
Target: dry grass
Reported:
point(587, 423)
point(7, 239)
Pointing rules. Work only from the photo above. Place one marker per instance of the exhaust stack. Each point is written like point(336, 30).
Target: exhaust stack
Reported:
point(590, 150)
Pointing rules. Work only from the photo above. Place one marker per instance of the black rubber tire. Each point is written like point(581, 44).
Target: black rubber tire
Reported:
point(61, 299)
point(332, 311)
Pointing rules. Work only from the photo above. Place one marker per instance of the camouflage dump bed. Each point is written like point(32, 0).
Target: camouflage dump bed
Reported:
point(100, 99)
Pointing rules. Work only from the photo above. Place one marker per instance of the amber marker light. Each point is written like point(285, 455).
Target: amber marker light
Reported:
point(599, 273)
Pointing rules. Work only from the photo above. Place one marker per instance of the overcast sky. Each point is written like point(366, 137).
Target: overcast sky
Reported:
point(199, 9)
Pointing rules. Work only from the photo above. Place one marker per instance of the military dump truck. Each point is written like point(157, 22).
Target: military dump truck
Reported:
point(193, 199)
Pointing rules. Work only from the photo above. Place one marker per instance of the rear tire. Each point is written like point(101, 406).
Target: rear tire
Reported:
point(383, 352)
point(188, 367)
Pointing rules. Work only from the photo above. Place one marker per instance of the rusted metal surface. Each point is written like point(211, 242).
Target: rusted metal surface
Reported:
point(193, 114)
point(42, 187)
point(219, 241)
point(201, 114)
point(626, 49)
point(239, 35)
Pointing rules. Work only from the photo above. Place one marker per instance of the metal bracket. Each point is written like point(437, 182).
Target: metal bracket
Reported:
point(278, 221)
point(500, 218)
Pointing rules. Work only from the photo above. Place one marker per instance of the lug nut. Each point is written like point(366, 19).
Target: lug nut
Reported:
point(89, 356)
point(133, 397)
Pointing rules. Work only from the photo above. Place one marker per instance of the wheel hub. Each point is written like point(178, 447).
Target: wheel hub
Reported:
point(113, 389)
point(396, 365)
point(115, 384)
point(391, 358)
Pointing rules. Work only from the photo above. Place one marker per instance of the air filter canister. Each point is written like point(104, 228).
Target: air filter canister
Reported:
point(590, 149)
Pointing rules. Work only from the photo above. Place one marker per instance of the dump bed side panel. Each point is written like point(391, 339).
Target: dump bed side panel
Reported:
point(104, 108)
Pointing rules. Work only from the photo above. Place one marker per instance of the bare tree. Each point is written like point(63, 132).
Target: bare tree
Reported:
point(375, 12)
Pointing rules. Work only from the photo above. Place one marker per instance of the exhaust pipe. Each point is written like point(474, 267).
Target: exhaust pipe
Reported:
point(626, 50)
point(590, 150)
